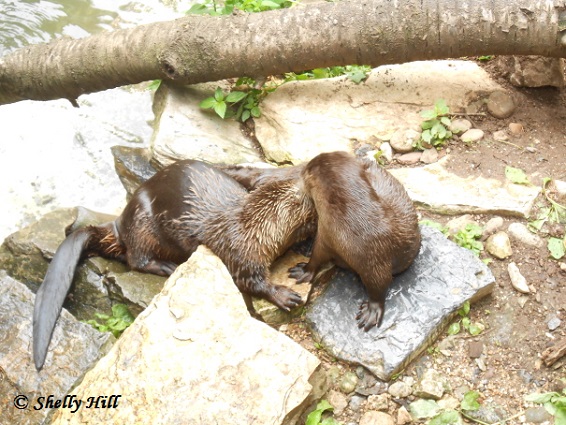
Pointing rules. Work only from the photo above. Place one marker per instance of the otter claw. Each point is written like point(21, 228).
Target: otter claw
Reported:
point(299, 274)
point(370, 314)
point(286, 298)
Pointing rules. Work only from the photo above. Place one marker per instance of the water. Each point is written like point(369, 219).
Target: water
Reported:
point(51, 154)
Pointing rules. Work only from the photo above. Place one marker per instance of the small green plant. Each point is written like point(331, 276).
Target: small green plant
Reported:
point(465, 323)
point(554, 403)
point(315, 417)
point(435, 127)
point(214, 8)
point(154, 85)
point(356, 73)
point(241, 103)
point(485, 58)
point(435, 225)
point(468, 238)
point(121, 318)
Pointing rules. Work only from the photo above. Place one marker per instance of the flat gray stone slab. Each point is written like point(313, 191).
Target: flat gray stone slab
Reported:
point(419, 305)
point(441, 191)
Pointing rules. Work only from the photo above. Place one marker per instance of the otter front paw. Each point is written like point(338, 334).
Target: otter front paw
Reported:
point(285, 298)
point(300, 274)
point(370, 314)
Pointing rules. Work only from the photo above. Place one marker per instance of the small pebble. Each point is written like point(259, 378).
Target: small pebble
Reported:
point(500, 104)
point(459, 125)
point(372, 417)
point(472, 135)
point(530, 149)
point(356, 402)
point(475, 349)
point(387, 151)
point(499, 245)
point(400, 389)
point(500, 136)
point(516, 128)
point(409, 158)
point(518, 281)
point(537, 415)
point(429, 156)
point(521, 233)
point(348, 382)
point(492, 226)
point(404, 139)
point(554, 323)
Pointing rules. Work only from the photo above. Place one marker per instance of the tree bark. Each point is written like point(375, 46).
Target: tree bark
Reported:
point(196, 49)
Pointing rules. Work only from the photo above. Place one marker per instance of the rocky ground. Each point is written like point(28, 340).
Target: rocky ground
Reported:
point(504, 362)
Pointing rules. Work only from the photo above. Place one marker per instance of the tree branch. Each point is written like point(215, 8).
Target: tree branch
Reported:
point(196, 49)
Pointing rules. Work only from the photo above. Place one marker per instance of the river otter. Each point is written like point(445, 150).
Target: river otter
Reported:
point(186, 204)
point(366, 223)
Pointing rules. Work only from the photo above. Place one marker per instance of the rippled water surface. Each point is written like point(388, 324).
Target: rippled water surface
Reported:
point(24, 22)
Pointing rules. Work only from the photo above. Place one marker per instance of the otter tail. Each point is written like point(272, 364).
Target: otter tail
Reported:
point(51, 294)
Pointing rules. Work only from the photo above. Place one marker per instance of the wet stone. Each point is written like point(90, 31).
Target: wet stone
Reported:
point(409, 158)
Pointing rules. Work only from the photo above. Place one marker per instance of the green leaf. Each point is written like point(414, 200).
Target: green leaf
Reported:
point(445, 121)
point(218, 95)
point(270, 4)
point(441, 108)
point(560, 416)
point(466, 323)
point(320, 73)
point(470, 401)
point(516, 175)
point(220, 109)
point(314, 417)
point(465, 309)
point(424, 409)
point(428, 115)
point(541, 398)
point(256, 113)
point(448, 417)
point(154, 85)
point(476, 328)
point(245, 115)
point(434, 225)
point(357, 76)
point(235, 96)
point(208, 103)
point(426, 136)
point(454, 328)
point(556, 248)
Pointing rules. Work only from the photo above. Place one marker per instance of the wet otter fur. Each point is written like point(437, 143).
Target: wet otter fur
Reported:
point(366, 223)
point(182, 206)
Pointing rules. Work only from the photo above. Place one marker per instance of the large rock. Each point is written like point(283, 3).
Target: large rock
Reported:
point(421, 301)
point(25, 254)
point(303, 118)
point(75, 347)
point(195, 356)
point(433, 187)
point(184, 130)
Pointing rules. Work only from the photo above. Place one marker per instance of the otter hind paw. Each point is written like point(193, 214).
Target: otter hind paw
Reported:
point(370, 314)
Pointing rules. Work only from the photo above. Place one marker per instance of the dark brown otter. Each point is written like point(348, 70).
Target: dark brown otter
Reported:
point(366, 223)
point(186, 204)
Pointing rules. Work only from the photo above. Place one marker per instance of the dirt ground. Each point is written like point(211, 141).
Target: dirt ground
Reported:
point(517, 329)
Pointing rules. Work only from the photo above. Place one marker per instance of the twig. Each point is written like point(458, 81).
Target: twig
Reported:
point(509, 143)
